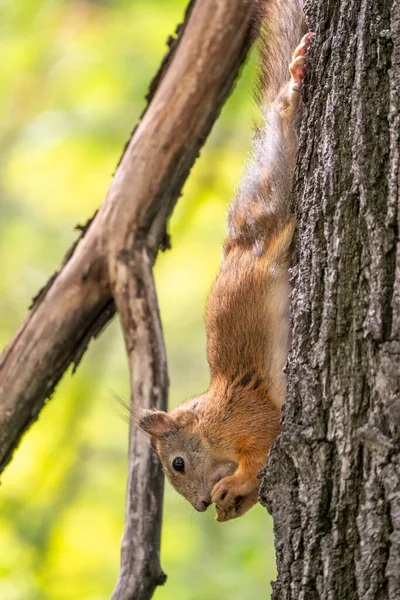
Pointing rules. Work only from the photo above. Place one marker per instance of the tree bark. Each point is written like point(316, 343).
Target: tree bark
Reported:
point(333, 480)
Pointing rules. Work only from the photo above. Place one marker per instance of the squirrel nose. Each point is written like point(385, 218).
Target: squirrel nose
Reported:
point(203, 505)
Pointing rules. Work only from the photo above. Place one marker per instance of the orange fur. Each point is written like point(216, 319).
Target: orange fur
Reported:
point(223, 437)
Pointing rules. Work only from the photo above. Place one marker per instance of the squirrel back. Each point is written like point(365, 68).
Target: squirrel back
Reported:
point(213, 446)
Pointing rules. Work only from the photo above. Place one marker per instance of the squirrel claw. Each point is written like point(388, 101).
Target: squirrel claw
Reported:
point(297, 67)
point(233, 497)
point(242, 505)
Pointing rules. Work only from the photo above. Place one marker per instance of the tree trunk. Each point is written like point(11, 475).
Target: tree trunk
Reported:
point(332, 484)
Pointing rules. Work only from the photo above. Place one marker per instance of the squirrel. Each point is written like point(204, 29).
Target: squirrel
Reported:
point(213, 446)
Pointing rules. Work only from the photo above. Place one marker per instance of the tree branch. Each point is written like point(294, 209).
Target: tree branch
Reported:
point(137, 303)
point(111, 265)
point(78, 300)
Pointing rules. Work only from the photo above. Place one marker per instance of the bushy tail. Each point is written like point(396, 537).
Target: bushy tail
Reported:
point(283, 26)
point(260, 211)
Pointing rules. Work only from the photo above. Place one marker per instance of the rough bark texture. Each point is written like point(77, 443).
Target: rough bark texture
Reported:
point(333, 481)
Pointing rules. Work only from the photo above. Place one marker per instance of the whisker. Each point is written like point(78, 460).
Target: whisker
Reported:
point(126, 413)
point(122, 415)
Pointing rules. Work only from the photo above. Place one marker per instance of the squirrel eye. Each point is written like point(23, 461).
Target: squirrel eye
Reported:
point(178, 464)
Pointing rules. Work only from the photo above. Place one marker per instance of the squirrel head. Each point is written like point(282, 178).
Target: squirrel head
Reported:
point(187, 460)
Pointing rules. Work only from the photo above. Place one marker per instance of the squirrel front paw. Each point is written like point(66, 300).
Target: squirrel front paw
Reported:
point(233, 497)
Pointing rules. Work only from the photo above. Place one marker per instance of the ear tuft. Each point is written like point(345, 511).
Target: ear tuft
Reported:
point(156, 422)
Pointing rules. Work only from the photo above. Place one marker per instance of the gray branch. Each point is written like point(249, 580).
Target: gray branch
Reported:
point(137, 303)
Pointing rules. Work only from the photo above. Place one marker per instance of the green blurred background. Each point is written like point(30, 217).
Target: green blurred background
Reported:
point(72, 83)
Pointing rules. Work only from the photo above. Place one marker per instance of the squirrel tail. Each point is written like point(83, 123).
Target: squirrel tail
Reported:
point(261, 211)
point(282, 26)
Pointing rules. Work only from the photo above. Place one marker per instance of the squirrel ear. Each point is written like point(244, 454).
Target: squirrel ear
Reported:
point(156, 422)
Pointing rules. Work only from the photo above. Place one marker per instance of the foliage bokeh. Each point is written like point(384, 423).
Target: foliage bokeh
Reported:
point(72, 84)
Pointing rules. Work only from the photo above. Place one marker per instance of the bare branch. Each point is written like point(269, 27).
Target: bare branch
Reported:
point(137, 303)
point(111, 265)
point(147, 183)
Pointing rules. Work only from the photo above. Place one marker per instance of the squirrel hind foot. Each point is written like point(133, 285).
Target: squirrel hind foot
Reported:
point(297, 67)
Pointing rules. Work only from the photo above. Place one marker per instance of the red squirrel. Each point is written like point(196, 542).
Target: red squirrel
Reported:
point(213, 446)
